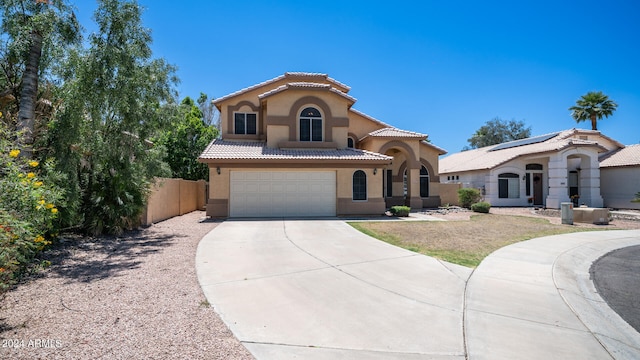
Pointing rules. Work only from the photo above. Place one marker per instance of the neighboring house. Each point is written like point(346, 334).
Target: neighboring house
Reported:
point(294, 146)
point(543, 170)
point(620, 177)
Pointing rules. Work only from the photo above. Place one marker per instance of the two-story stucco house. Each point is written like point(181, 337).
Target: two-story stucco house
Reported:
point(294, 146)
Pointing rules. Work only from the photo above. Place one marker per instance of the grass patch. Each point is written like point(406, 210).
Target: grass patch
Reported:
point(465, 243)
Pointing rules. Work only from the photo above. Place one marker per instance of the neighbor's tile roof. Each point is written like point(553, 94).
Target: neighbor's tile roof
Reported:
point(278, 78)
point(484, 158)
point(306, 85)
point(627, 156)
point(257, 150)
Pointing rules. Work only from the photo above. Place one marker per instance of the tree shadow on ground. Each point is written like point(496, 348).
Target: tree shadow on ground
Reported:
point(82, 259)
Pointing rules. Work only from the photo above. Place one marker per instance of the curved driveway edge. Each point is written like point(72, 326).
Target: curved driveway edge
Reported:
point(319, 289)
point(535, 300)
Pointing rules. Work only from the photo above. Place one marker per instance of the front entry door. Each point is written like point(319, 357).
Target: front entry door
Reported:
point(537, 189)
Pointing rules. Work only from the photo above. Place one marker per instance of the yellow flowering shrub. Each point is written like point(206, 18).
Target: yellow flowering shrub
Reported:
point(28, 211)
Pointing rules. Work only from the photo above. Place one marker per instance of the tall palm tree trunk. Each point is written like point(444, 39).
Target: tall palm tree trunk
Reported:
point(26, 114)
point(594, 122)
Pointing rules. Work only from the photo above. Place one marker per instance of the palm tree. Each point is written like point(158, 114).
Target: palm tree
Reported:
point(593, 106)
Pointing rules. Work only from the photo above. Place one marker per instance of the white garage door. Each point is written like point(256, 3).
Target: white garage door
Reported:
point(282, 193)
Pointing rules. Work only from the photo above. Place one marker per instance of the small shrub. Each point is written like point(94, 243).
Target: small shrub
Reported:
point(481, 207)
point(637, 199)
point(400, 211)
point(468, 196)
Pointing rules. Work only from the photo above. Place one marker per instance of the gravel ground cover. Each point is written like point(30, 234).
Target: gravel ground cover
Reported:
point(129, 297)
point(553, 216)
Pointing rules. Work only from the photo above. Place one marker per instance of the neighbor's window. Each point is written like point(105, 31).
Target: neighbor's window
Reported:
point(310, 125)
point(359, 185)
point(508, 186)
point(245, 123)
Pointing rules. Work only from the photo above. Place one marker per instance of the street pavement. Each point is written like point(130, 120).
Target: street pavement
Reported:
point(617, 279)
point(319, 289)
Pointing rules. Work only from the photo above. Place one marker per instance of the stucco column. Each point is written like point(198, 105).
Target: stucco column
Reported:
point(415, 201)
point(590, 186)
point(557, 182)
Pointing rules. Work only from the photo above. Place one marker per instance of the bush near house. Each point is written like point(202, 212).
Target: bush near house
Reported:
point(481, 207)
point(29, 201)
point(402, 211)
point(637, 199)
point(468, 196)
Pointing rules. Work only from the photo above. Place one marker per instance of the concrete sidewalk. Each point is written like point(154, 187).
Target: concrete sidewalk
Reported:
point(318, 289)
point(535, 300)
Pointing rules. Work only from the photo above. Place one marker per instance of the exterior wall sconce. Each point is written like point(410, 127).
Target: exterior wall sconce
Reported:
point(524, 177)
point(375, 171)
point(218, 170)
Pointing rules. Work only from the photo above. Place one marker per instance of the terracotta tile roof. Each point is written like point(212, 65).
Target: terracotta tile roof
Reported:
point(395, 132)
point(257, 150)
point(305, 85)
point(487, 158)
point(281, 77)
point(627, 156)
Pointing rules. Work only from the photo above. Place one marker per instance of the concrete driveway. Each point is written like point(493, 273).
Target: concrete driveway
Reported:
point(318, 289)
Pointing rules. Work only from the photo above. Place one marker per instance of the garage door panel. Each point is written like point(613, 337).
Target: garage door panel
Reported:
point(282, 193)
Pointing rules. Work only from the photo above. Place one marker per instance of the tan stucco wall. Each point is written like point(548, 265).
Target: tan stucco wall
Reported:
point(449, 193)
point(361, 126)
point(173, 197)
point(277, 134)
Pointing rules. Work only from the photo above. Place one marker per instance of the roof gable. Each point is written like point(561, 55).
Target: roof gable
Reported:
point(306, 86)
point(288, 77)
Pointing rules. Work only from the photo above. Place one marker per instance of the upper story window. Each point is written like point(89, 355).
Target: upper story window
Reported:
point(350, 142)
point(310, 125)
point(245, 123)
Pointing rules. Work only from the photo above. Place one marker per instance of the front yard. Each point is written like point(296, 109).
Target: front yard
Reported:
point(466, 242)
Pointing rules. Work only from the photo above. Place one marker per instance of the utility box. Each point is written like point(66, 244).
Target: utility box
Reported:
point(566, 210)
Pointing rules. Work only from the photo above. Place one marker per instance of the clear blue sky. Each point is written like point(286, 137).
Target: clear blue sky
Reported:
point(442, 68)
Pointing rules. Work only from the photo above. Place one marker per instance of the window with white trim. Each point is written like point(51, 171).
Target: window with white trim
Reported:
point(310, 125)
point(245, 123)
point(508, 186)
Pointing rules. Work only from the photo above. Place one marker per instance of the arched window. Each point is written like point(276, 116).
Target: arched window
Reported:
point(310, 125)
point(359, 185)
point(350, 142)
point(424, 182)
point(508, 186)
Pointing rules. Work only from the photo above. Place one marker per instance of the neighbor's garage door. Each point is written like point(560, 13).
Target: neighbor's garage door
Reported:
point(282, 193)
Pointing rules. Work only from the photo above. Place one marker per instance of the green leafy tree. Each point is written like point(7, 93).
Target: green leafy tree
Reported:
point(210, 114)
point(497, 131)
point(185, 141)
point(115, 93)
point(593, 106)
point(36, 32)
